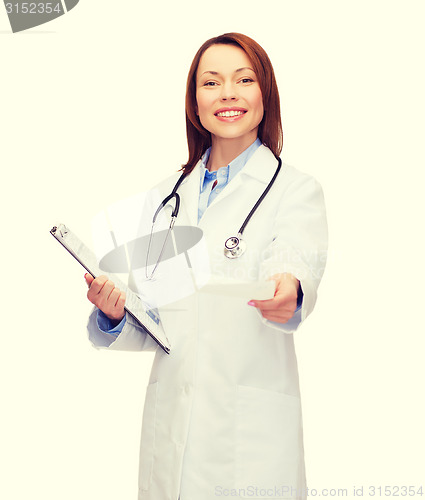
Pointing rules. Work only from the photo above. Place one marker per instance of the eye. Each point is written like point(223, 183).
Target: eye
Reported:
point(246, 80)
point(210, 84)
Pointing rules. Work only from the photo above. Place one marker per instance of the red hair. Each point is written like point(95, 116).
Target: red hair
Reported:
point(270, 129)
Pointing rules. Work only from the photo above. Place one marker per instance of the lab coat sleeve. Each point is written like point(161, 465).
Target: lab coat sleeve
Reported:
point(128, 220)
point(131, 338)
point(105, 324)
point(299, 244)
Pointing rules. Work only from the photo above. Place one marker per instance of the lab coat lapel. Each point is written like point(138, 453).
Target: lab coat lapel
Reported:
point(261, 167)
point(189, 194)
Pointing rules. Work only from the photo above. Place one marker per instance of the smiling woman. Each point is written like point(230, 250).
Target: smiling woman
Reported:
point(229, 100)
point(222, 410)
point(237, 64)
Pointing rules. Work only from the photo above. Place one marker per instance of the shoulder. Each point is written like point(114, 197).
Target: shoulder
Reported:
point(300, 193)
point(289, 176)
point(168, 183)
point(295, 176)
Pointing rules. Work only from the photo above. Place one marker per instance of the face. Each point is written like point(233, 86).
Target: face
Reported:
point(228, 94)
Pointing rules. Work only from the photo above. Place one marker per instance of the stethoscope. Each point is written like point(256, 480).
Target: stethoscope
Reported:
point(234, 246)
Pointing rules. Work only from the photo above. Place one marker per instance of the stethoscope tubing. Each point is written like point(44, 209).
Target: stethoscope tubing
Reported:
point(261, 198)
point(238, 246)
point(247, 219)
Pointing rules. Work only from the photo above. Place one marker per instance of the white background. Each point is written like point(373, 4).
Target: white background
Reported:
point(92, 110)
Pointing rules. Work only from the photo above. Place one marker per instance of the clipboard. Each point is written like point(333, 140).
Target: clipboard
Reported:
point(133, 304)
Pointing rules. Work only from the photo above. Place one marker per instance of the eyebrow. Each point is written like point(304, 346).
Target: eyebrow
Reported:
point(236, 71)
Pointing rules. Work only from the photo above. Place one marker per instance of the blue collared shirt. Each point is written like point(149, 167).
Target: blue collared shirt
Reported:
point(223, 176)
point(206, 196)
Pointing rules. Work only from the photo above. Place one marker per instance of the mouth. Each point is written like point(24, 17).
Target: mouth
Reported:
point(230, 114)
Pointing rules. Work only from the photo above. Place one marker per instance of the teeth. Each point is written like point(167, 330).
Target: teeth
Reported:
point(228, 114)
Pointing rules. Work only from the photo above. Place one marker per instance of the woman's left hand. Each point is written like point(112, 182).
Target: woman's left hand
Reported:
point(282, 306)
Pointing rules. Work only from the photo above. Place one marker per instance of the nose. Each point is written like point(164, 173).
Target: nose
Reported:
point(228, 92)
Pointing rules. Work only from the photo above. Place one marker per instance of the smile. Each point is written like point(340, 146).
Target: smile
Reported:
point(229, 114)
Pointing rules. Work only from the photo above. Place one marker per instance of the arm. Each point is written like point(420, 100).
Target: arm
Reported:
point(109, 326)
point(297, 255)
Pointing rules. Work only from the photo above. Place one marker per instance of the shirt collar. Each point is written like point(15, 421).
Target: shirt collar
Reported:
point(232, 168)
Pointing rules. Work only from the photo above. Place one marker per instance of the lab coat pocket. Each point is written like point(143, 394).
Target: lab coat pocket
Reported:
point(269, 448)
point(147, 441)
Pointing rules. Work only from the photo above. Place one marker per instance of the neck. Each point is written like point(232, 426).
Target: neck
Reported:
point(223, 151)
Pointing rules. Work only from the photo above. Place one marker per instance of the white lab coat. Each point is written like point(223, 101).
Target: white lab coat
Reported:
point(222, 412)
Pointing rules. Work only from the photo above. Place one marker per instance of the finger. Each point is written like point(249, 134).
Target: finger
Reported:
point(97, 285)
point(265, 305)
point(108, 300)
point(119, 306)
point(120, 302)
point(103, 295)
point(96, 293)
point(115, 307)
point(279, 299)
point(113, 298)
point(276, 314)
point(89, 279)
point(288, 308)
point(277, 319)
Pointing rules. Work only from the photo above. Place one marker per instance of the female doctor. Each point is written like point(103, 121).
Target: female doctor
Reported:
point(222, 414)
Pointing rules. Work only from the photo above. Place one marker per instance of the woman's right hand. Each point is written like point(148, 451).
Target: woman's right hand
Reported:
point(106, 297)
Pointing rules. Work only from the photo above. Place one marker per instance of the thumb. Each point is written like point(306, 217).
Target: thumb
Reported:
point(89, 279)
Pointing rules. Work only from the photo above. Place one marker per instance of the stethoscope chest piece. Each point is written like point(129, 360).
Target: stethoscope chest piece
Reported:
point(234, 247)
